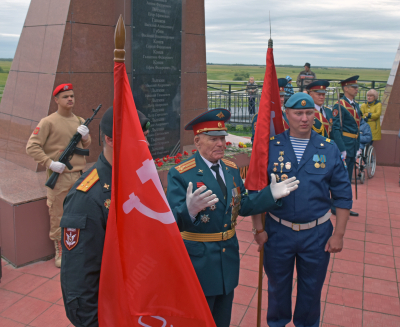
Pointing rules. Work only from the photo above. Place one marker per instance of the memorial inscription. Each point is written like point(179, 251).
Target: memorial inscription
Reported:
point(156, 69)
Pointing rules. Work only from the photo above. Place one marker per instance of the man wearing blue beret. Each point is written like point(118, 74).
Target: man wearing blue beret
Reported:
point(346, 125)
point(207, 219)
point(300, 231)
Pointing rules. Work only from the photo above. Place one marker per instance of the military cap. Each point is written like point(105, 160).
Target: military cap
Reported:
point(300, 101)
point(106, 123)
point(282, 82)
point(211, 122)
point(307, 64)
point(351, 81)
point(62, 88)
point(318, 86)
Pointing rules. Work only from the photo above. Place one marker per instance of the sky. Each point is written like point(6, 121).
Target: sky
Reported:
point(348, 33)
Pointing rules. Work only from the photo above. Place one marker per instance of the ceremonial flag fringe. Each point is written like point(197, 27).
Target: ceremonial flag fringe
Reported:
point(147, 278)
point(269, 122)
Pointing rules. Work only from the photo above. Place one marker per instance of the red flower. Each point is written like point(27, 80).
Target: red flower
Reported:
point(177, 161)
point(167, 155)
point(165, 159)
point(228, 143)
point(159, 164)
point(185, 153)
point(194, 151)
point(179, 155)
point(158, 159)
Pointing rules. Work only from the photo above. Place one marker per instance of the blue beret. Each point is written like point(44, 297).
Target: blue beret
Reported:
point(300, 101)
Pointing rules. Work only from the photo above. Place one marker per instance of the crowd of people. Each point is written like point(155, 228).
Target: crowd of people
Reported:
point(206, 194)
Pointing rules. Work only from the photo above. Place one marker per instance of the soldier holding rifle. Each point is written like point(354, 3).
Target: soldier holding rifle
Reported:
point(45, 146)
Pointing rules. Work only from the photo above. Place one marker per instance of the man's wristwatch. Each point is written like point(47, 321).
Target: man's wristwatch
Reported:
point(256, 231)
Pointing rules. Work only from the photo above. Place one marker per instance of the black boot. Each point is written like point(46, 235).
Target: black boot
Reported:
point(352, 213)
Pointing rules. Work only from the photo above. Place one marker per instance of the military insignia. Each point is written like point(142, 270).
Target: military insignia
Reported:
point(279, 142)
point(36, 131)
point(316, 161)
point(213, 207)
point(200, 171)
point(323, 160)
point(271, 138)
point(330, 121)
point(282, 164)
point(71, 237)
point(200, 184)
point(220, 125)
point(220, 115)
point(322, 144)
point(328, 140)
point(205, 219)
point(89, 181)
point(288, 165)
point(303, 103)
point(284, 177)
point(107, 203)
point(106, 186)
point(335, 113)
point(229, 163)
point(275, 166)
point(277, 178)
point(186, 166)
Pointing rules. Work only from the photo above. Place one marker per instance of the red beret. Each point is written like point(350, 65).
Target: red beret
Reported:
point(62, 88)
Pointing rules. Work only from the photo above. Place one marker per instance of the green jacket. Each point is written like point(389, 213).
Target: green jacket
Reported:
point(216, 263)
point(350, 124)
point(317, 126)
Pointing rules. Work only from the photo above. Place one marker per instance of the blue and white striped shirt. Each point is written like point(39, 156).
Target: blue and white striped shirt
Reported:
point(299, 145)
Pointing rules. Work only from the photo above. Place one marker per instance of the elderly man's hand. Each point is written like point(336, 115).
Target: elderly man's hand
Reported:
point(261, 239)
point(197, 200)
point(282, 189)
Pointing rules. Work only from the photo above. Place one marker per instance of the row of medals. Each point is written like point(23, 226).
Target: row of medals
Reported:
point(287, 166)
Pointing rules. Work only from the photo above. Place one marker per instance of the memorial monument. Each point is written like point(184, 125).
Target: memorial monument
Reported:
point(71, 41)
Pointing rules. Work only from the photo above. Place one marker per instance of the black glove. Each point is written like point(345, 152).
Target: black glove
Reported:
point(369, 115)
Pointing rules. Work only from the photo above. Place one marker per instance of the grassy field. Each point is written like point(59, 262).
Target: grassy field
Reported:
point(227, 72)
point(5, 68)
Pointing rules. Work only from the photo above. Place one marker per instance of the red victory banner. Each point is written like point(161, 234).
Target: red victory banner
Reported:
point(147, 278)
point(269, 119)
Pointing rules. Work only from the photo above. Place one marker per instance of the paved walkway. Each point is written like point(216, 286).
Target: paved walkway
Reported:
point(361, 287)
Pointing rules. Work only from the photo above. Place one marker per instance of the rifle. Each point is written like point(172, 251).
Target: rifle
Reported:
point(70, 150)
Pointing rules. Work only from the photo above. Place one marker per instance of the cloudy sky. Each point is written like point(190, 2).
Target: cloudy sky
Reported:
point(350, 33)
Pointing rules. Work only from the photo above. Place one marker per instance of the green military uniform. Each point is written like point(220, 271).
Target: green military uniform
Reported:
point(210, 238)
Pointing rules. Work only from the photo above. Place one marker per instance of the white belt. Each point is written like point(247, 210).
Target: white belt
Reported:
point(299, 227)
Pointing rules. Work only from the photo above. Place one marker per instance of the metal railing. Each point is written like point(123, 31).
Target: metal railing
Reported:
point(233, 96)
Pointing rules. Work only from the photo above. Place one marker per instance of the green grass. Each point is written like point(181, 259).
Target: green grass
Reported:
point(5, 68)
point(227, 72)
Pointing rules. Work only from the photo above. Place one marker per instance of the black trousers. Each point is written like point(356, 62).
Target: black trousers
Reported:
point(221, 308)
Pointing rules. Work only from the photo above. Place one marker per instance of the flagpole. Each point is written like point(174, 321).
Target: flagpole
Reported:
point(119, 40)
point(260, 277)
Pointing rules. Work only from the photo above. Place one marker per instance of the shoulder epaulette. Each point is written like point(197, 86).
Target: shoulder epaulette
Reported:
point(272, 138)
point(187, 165)
point(89, 181)
point(229, 163)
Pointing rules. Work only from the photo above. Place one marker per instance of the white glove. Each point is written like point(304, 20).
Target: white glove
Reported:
point(84, 131)
point(196, 201)
point(282, 189)
point(344, 154)
point(359, 152)
point(57, 167)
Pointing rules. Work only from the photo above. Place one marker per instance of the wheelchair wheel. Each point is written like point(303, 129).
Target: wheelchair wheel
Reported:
point(371, 162)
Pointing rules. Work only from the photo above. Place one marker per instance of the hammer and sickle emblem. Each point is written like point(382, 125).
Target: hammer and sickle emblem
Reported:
point(148, 172)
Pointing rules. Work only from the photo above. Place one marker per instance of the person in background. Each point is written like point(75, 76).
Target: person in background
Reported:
point(371, 111)
point(288, 88)
point(365, 135)
point(307, 76)
point(252, 90)
point(45, 146)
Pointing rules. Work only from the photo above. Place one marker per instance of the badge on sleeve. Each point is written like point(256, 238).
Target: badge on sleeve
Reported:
point(71, 237)
point(36, 131)
point(335, 112)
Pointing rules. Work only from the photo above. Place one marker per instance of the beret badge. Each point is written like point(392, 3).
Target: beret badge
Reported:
point(303, 103)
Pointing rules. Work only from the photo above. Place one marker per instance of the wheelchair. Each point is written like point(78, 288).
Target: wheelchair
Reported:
point(366, 163)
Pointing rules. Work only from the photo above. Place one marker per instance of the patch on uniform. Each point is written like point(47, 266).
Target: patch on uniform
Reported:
point(89, 181)
point(71, 237)
point(229, 163)
point(200, 184)
point(187, 165)
point(335, 112)
point(344, 161)
point(107, 203)
point(36, 131)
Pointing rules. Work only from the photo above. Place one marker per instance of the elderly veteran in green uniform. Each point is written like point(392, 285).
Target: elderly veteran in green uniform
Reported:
point(83, 228)
point(207, 219)
point(323, 119)
point(346, 131)
point(282, 82)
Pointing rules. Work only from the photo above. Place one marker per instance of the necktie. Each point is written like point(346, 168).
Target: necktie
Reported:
point(219, 179)
point(320, 109)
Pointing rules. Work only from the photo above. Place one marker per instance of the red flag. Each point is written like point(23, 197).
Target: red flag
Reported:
point(270, 108)
point(147, 278)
